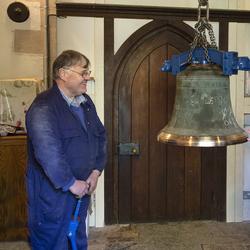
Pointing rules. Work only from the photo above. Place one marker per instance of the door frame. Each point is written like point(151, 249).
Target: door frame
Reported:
point(109, 13)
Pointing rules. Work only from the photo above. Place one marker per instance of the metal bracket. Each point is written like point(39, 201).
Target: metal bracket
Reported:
point(229, 61)
point(129, 148)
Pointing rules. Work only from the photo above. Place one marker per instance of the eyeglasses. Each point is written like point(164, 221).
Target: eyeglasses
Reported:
point(84, 73)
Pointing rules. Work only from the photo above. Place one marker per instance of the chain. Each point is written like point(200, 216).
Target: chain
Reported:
point(203, 2)
point(200, 38)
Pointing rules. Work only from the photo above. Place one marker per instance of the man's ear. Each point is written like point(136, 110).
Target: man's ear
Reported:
point(62, 74)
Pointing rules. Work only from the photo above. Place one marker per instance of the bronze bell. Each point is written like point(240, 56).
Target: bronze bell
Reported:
point(202, 114)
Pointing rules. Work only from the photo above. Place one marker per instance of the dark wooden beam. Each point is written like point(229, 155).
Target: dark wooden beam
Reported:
point(147, 12)
point(223, 35)
point(111, 199)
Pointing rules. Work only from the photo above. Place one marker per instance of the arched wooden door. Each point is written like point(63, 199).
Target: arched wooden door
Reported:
point(162, 182)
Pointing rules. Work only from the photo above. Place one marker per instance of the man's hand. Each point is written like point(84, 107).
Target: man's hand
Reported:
point(92, 180)
point(79, 188)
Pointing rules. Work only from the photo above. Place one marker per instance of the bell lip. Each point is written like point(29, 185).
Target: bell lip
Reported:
point(201, 141)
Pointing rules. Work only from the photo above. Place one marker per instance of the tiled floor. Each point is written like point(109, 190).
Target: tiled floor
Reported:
point(197, 235)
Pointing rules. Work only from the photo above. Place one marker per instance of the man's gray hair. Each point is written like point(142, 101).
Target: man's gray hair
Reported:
point(69, 58)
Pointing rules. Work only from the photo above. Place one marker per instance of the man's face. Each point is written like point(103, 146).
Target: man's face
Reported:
point(75, 79)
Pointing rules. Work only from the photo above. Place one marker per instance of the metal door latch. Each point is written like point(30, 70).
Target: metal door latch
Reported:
point(129, 148)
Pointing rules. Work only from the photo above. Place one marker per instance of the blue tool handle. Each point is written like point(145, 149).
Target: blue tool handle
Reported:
point(73, 225)
point(77, 209)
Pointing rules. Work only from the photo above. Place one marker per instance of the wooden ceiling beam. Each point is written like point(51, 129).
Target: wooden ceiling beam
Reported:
point(147, 12)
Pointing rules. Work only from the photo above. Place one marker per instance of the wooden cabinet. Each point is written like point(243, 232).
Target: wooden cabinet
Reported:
point(13, 215)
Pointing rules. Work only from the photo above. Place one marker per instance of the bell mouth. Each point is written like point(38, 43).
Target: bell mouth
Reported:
point(201, 141)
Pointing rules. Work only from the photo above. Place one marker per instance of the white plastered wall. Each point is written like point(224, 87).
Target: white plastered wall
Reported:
point(72, 34)
point(16, 64)
point(238, 41)
point(236, 165)
point(86, 36)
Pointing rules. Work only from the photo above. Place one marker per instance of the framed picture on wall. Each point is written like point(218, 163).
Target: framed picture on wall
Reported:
point(16, 95)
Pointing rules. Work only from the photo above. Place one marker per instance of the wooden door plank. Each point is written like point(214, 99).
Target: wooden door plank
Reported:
point(175, 183)
point(221, 182)
point(140, 134)
point(208, 183)
point(192, 182)
point(124, 170)
point(175, 159)
point(213, 194)
point(158, 118)
point(171, 82)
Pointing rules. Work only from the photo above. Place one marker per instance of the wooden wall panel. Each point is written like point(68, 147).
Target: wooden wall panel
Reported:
point(13, 216)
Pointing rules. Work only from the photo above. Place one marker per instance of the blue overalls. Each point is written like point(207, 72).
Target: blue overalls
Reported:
point(60, 150)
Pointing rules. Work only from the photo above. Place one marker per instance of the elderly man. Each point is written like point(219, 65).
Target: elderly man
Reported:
point(66, 154)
